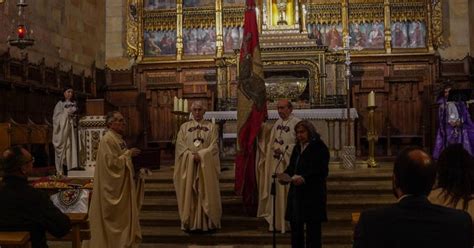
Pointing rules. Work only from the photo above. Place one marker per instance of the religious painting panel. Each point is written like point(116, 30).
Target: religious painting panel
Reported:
point(400, 35)
point(326, 34)
point(228, 3)
point(198, 3)
point(199, 41)
point(333, 34)
point(159, 4)
point(314, 32)
point(232, 38)
point(358, 33)
point(417, 34)
point(161, 42)
point(375, 35)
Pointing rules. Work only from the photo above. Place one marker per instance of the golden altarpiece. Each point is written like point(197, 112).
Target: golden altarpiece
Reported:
point(189, 49)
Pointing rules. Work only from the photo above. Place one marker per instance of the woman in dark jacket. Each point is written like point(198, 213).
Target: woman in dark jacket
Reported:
point(307, 174)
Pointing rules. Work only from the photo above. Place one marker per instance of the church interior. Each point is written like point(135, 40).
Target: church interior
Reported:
point(366, 73)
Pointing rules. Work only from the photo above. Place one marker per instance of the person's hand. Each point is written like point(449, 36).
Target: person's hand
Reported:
point(455, 123)
point(297, 180)
point(277, 153)
point(197, 158)
point(283, 178)
point(135, 151)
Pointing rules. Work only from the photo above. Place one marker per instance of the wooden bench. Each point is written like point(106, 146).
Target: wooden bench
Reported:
point(5, 138)
point(14, 133)
point(15, 240)
point(79, 230)
point(355, 218)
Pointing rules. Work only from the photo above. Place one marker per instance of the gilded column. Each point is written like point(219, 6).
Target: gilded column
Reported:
point(140, 32)
point(221, 83)
point(133, 29)
point(429, 26)
point(345, 19)
point(303, 18)
point(387, 24)
point(179, 29)
point(219, 30)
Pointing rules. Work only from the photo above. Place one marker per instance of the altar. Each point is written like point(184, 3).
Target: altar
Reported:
point(329, 123)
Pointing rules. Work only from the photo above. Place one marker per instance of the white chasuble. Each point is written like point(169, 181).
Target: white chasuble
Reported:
point(282, 136)
point(197, 184)
point(65, 136)
point(115, 204)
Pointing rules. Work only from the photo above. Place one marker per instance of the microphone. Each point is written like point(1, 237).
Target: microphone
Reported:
point(281, 158)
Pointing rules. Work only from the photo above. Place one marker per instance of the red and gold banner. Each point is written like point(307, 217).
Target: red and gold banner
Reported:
point(251, 110)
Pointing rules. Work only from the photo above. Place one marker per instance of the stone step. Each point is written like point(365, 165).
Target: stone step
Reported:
point(334, 187)
point(338, 175)
point(231, 235)
point(64, 244)
point(171, 245)
point(234, 203)
point(336, 218)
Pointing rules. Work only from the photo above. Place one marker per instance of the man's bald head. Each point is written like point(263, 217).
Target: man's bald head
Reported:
point(198, 110)
point(414, 172)
point(16, 160)
point(284, 108)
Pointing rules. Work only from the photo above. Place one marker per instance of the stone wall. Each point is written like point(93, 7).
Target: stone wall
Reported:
point(68, 32)
point(471, 24)
point(461, 29)
point(115, 30)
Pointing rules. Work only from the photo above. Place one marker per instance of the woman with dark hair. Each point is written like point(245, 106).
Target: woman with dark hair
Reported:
point(64, 133)
point(455, 125)
point(455, 180)
point(307, 173)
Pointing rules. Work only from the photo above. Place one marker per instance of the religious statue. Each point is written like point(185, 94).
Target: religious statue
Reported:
point(281, 4)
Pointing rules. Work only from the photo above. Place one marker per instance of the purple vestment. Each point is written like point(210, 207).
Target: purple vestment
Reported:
point(448, 134)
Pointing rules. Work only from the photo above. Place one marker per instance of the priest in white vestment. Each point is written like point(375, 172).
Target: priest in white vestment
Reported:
point(196, 173)
point(115, 204)
point(279, 147)
point(65, 133)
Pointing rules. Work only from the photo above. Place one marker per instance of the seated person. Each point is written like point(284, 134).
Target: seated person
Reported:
point(455, 174)
point(413, 221)
point(24, 208)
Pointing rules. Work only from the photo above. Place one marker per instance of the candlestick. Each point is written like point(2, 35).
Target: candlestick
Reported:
point(185, 105)
point(180, 104)
point(175, 103)
point(213, 120)
point(371, 99)
point(372, 137)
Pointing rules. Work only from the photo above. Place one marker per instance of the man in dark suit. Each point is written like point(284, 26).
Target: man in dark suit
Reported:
point(24, 208)
point(413, 221)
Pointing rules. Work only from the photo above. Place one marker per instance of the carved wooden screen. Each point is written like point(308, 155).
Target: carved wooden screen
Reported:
point(161, 119)
point(404, 109)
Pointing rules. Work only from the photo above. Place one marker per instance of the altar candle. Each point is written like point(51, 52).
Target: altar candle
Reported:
point(371, 99)
point(175, 103)
point(185, 106)
point(213, 120)
point(180, 104)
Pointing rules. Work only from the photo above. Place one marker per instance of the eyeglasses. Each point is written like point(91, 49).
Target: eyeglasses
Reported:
point(32, 160)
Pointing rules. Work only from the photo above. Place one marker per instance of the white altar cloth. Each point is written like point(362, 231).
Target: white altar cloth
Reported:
point(307, 114)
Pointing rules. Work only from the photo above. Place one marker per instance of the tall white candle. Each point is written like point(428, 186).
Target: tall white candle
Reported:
point(180, 104)
point(185, 105)
point(213, 120)
point(371, 99)
point(175, 103)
